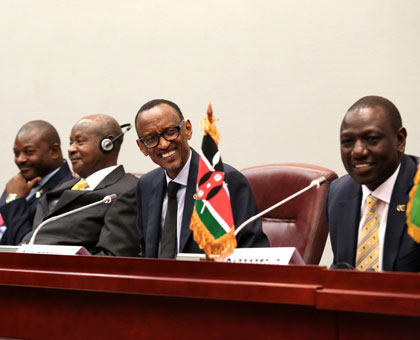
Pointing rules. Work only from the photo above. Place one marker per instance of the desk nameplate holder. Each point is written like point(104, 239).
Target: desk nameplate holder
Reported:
point(52, 249)
point(273, 255)
point(45, 249)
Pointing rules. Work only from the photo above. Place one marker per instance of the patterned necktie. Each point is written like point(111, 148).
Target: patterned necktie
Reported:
point(82, 184)
point(168, 245)
point(367, 257)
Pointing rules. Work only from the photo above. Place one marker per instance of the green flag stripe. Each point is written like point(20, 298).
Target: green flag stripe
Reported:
point(415, 209)
point(208, 220)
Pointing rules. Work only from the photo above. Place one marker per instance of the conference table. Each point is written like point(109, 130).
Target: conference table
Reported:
point(89, 297)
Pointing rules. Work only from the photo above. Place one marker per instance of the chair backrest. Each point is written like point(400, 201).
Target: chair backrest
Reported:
point(301, 222)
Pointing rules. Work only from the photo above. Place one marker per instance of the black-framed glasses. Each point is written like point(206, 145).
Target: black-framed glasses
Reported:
point(170, 134)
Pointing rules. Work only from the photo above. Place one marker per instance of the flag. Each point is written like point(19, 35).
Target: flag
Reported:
point(212, 220)
point(413, 209)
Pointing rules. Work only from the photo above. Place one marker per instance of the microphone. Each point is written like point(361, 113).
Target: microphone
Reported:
point(315, 183)
point(107, 199)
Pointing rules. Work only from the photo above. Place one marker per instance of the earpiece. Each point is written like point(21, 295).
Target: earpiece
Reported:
point(107, 144)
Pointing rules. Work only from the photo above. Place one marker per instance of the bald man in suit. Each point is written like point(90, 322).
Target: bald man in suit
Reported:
point(106, 229)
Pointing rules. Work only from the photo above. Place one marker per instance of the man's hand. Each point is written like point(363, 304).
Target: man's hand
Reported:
point(18, 185)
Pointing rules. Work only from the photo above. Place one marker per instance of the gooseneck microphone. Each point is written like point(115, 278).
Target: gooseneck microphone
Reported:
point(315, 183)
point(107, 199)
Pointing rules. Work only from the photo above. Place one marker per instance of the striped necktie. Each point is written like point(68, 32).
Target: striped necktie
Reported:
point(367, 257)
point(82, 184)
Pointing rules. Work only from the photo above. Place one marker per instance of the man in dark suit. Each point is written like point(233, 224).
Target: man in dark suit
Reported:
point(39, 158)
point(366, 208)
point(105, 229)
point(163, 136)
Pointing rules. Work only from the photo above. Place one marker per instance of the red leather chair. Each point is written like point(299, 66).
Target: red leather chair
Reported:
point(301, 222)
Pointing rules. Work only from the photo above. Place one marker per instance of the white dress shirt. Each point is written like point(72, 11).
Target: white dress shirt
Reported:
point(94, 179)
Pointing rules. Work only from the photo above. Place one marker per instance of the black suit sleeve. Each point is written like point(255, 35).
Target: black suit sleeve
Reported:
point(139, 223)
point(243, 207)
point(331, 230)
point(18, 216)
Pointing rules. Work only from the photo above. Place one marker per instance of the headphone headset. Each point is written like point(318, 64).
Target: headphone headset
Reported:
point(107, 145)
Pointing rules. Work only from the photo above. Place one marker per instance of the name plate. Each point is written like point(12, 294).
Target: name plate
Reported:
point(272, 255)
point(52, 249)
point(9, 249)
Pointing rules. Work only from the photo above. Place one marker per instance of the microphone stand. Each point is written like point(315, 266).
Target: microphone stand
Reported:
point(315, 183)
point(107, 199)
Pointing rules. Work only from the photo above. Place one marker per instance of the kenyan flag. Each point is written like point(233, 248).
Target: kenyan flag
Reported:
point(212, 220)
point(413, 209)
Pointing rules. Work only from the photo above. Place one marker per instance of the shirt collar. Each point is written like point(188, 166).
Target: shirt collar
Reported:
point(41, 183)
point(94, 179)
point(384, 191)
point(46, 178)
point(182, 177)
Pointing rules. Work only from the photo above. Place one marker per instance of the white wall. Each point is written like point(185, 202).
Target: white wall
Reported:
point(280, 74)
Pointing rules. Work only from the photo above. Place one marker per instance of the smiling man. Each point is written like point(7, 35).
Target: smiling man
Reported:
point(366, 208)
point(41, 166)
point(105, 229)
point(163, 136)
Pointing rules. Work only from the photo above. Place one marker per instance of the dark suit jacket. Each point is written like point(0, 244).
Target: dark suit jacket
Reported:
point(105, 229)
point(19, 214)
point(400, 253)
point(151, 190)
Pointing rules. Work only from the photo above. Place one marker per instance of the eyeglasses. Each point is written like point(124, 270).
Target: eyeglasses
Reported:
point(170, 134)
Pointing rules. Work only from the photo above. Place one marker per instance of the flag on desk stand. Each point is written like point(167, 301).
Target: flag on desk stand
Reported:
point(413, 209)
point(212, 219)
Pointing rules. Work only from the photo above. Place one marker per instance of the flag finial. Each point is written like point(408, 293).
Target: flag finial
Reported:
point(208, 124)
point(210, 113)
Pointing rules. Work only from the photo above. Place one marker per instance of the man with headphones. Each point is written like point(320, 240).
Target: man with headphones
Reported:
point(105, 229)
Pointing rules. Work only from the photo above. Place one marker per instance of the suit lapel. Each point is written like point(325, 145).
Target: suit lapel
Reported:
point(66, 196)
point(155, 215)
point(113, 177)
point(395, 224)
point(186, 232)
point(63, 195)
point(349, 214)
point(63, 174)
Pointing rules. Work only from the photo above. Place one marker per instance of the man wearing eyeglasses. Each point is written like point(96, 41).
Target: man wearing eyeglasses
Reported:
point(163, 136)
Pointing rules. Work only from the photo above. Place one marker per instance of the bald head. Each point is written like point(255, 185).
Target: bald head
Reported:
point(85, 152)
point(102, 124)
